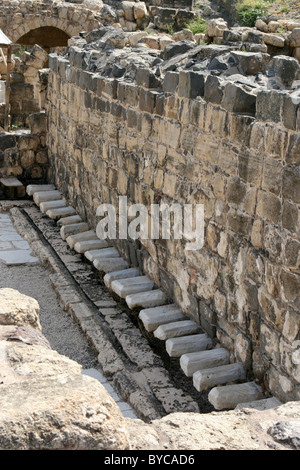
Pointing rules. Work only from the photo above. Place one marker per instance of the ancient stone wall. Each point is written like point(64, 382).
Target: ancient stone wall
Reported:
point(188, 138)
point(18, 18)
point(28, 86)
point(23, 152)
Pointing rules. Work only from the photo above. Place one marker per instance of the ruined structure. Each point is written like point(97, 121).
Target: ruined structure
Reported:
point(207, 119)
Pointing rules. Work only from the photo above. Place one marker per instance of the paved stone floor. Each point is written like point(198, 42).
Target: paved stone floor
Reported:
point(20, 269)
point(14, 250)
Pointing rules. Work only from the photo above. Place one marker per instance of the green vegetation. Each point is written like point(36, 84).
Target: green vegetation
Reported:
point(170, 29)
point(21, 51)
point(248, 11)
point(197, 26)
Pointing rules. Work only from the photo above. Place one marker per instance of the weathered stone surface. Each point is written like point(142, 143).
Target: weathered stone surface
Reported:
point(216, 27)
point(72, 229)
point(236, 99)
point(176, 347)
point(229, 396)
point(43, 196)
point(33, 188)
point(293, 39)
point(92, 255)
point(250, 63)
point(73, 219)
point(175, 329)
point(190, 84)
point(18, 309)
point(192, 362)
point(122, 274)
point(50, 205)
point(81, 236)
point(58, 394)
point(84, 245)
point(152, 318)
point(287, 432)
point(284, 69)
point(242, 429)
point(273, 40)
point(107, 265)
point(235, 151)
point(146, 299)
point(132, 285)
point(58, 213)
point(205, 379)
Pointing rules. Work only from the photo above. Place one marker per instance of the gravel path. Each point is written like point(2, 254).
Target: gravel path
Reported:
point(64, 335)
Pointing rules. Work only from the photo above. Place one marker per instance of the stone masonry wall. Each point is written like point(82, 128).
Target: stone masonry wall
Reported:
point(108, 137)
point(23, 152)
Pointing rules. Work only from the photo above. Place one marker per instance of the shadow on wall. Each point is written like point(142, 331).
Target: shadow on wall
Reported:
point(46, 37)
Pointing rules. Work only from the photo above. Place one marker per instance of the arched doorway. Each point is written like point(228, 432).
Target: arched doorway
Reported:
point(46, 37)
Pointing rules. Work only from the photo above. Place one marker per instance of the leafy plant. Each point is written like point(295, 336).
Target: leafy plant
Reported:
point(21, 51)
point(197, 26)
point(170, 29)
point(248, 12)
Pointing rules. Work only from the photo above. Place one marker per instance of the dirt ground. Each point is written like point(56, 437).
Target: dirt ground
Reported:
point(64, 335)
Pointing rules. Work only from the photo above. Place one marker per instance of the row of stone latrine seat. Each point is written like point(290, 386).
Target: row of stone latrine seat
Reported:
point(208, 366)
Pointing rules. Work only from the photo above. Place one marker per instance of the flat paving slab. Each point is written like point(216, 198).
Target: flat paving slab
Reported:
point(18, 257)
point(14, 250)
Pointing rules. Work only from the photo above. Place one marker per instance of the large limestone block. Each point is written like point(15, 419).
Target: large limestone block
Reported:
point(34, 188)
point(208, 378)
point(192, 362)
point(94, 5)
point(139, 10)
point(293, 39)
point(46, 403)
point(133, 285)
point(229, 396)
point(72, 229)
point(176, 329)
point(18, 309)
point(216, 27)
point(45, 196)
point(146, 299)
point(152, 318)
point(176, 347)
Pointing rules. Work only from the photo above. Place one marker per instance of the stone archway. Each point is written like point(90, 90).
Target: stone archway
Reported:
point(46, 37)
point(38, 25)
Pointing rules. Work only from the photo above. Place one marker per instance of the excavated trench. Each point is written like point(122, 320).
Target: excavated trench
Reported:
point(65, 334)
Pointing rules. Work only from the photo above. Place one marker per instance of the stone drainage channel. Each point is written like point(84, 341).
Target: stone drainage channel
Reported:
point(16, 252)
point(147, 381)
point(134, 375)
